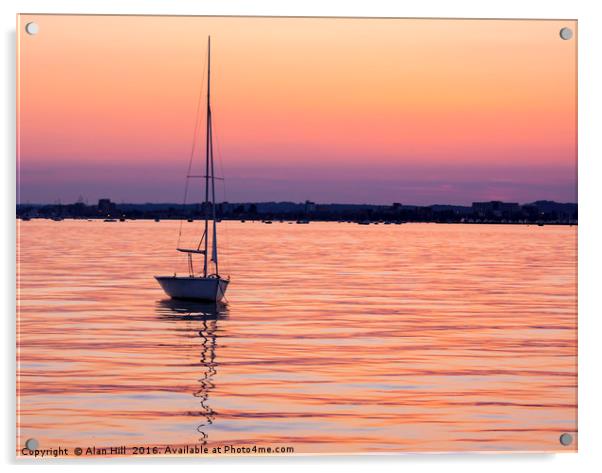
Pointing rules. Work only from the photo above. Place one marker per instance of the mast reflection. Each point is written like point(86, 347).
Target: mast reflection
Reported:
point(203, 317)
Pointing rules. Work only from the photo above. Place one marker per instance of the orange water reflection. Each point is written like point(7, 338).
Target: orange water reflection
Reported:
point(336, 338)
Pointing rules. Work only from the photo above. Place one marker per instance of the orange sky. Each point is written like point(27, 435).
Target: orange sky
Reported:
point(108, 104)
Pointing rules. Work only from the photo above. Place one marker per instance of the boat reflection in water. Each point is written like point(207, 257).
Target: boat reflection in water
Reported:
point(205, 316)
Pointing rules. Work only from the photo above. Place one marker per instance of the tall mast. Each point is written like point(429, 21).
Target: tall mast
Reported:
point(214, 239)
point(207, 150)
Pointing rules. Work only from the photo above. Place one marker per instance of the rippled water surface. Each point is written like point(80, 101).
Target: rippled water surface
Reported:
point(335, 338)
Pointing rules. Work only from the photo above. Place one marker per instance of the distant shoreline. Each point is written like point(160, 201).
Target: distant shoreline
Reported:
point(491, 212)
point(484, 222)
point(271, 203)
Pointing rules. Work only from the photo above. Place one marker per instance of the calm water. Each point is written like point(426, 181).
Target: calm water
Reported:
point(336, 338)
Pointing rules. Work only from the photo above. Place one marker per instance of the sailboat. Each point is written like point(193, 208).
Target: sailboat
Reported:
point(208, 285)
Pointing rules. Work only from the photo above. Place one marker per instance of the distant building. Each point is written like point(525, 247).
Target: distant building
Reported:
point(552, 210)
point(310, 206)
point(495, 208)
point(106, 207)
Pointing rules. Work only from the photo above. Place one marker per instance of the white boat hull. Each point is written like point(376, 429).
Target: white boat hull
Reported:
point(193, 288)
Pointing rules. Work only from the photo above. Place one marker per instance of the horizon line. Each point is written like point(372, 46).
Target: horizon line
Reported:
point(295, 202)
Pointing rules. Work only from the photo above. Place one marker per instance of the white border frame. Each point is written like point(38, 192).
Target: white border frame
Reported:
point(590, 236)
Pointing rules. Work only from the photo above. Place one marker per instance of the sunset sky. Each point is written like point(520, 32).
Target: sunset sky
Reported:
point(331, 110)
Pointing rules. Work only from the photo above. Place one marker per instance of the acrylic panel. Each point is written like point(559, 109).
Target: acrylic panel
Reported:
point(281, 236)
